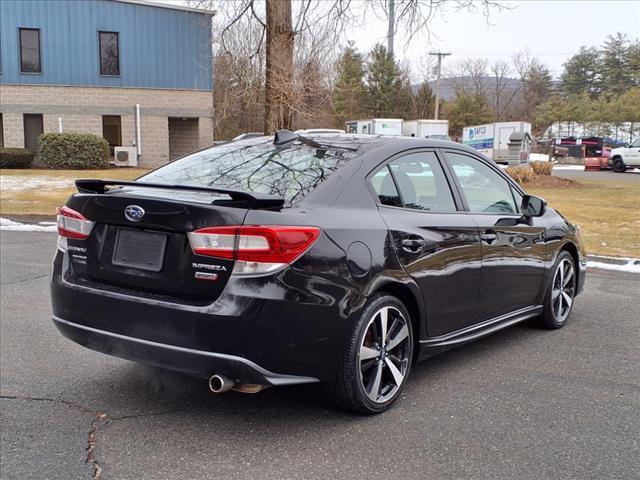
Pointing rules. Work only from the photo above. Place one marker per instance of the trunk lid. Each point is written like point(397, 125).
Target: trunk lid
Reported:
point(146, 250)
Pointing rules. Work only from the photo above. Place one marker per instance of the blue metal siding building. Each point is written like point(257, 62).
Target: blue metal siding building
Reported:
point(160, 47)
point(135, 72)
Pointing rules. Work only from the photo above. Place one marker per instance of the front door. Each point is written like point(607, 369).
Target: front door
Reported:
point(632, 154)
point(33, 128)
point(513, 249)
point(437, 244)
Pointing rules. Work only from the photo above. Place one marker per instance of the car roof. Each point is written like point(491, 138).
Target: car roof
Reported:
point(364, 141)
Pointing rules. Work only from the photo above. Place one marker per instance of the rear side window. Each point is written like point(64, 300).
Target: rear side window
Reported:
point(484, 189)
point(385, 188)
point(421, 183)
point(290, 171)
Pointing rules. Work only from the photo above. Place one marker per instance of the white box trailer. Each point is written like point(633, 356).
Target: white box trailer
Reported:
point(358, 126)
point(386, 126)
point(377, 126)
point(426, 129)
point(492, 138)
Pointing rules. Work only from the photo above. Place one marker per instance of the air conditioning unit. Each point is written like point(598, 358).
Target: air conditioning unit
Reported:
point(125, 156)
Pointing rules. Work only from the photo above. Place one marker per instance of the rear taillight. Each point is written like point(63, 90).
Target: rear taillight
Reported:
point(256, 249)
point(72, 224)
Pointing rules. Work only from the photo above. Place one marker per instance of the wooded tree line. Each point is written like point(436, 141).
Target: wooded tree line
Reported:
point(599, 89)
point(280, 63)
point(275, 61)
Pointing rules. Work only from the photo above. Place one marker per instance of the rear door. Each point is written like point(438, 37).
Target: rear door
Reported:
point(513, 249)
point(436, 244)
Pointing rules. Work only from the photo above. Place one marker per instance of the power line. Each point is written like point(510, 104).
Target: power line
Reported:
point(440, 55)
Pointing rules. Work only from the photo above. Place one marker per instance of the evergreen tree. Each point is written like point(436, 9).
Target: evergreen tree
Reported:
point(582, 73)
point(616, 74)
point(349, 91)
point(467, 109)
point(633, 63)
point(405, 97)
point(383, 82)
point(553, 110)
point(536, 89)
point(424, 101)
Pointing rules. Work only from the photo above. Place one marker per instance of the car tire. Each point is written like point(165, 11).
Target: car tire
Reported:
point(618, 165)
point(560, 293)
point(375, 366)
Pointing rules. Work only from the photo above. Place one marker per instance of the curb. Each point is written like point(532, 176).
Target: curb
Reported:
point(613, 260)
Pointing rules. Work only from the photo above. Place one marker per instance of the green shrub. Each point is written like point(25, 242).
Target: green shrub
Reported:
point(73, 150)
point(541, 168)
point(522, 174)
point(15, 157)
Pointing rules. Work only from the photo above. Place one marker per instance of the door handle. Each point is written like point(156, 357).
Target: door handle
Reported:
point(413, 245)
point(488, 236)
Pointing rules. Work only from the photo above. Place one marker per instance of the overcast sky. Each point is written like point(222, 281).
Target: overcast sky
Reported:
point(551, 30)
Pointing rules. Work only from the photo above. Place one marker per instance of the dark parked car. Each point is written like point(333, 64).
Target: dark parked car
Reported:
point(340, 259)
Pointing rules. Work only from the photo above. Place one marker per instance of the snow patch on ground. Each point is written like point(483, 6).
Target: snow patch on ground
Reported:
point(11, 226)
point(538, 157)
point(568, 167)
point(632, 266)
point(18, 183)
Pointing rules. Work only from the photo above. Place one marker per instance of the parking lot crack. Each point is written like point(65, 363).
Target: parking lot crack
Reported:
point(100, 420)
point(151, 414)
point(28, 279)
point(76, 406)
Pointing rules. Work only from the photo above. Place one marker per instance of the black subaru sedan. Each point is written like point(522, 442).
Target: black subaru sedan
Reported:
point(332, 258)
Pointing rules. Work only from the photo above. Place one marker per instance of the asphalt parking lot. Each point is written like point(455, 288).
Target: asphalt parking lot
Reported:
point(522, 404)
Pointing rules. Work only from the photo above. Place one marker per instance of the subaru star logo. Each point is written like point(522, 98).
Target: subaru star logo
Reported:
point(134, 213)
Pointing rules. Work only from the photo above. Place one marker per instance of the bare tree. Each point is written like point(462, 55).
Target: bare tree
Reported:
point(500, 70)
point(282, 21)
point(279, 73)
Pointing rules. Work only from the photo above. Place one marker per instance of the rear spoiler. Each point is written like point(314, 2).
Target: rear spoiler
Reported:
point(238, 198)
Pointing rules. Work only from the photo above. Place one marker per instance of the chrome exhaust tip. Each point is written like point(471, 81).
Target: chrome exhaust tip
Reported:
point(220, 384)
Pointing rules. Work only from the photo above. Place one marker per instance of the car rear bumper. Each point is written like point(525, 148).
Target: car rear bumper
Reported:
point(258, 333)
point(195, 362)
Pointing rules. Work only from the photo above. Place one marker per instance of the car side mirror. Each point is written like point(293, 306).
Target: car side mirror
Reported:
point(626, 144)
point(533, 206)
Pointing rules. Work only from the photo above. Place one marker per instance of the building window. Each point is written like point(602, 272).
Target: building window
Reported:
point(30, 50)
point(109, 53)
point(112, 131)
point(33, 128)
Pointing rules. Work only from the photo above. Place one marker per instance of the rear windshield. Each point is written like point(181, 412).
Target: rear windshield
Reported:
point(290, 172)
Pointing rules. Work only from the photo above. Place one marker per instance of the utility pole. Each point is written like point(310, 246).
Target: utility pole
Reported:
point(392, 26)
point(439, 55)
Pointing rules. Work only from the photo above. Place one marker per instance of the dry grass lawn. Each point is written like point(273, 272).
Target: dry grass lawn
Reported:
point(39, 191)
point(607, 210)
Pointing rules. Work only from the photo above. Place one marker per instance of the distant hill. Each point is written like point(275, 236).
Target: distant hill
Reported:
point(449, 85)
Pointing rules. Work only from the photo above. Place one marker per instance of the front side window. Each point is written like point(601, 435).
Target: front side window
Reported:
point(484, 189)
point(30, 50)
point(256, 166)
point(109, 53)
point(636, 143)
